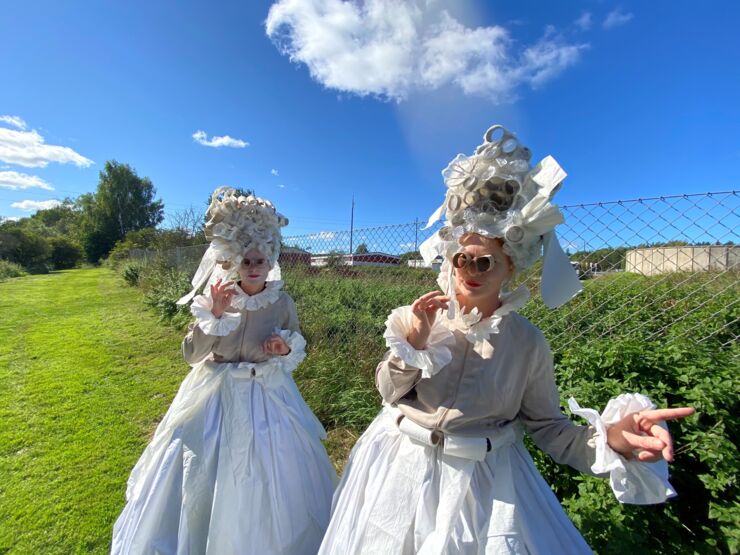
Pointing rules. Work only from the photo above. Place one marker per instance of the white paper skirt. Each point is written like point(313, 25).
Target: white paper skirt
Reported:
point(399, 496)
point(235, 467)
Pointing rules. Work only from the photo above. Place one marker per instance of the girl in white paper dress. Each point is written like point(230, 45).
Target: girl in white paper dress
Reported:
point(236, 466)
point(442, 469)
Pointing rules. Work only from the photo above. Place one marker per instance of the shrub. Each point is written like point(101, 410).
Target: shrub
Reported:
point(10, 270)
point(23, 246)
point(38, 268)
point(131, 272)
point(163, 285)
point(65, 254)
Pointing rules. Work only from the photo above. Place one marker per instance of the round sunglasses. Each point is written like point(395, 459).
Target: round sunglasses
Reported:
point(478, 264)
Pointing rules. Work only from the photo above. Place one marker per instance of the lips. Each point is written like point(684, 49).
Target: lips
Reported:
point(253, 276)
point(472, 284)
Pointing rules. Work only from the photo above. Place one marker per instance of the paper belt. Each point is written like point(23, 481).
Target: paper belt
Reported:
point(471, 448)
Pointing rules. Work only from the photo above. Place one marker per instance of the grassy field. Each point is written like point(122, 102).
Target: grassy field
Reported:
point(85, 374)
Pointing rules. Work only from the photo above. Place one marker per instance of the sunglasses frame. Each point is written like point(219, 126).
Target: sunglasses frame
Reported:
point(475, 261)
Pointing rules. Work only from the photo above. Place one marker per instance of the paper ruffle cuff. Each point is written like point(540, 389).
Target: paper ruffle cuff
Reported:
point(495, 192)
point(429, 360)
point(208, 323)
point(632, 481)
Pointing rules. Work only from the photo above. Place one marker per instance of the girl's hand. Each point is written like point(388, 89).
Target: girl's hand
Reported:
point(275, 345)
point(424, 310)
point(640, 431)
point(221, 297)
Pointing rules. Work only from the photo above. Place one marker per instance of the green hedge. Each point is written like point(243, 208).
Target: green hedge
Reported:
point(10, 270)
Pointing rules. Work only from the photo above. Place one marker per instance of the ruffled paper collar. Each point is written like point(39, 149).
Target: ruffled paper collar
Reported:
point(476, 328)
point(266, 297)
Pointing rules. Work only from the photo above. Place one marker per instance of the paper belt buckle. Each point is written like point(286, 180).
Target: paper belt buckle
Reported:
point(471, 448)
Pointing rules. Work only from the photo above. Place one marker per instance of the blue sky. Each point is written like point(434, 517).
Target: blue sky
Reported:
point(313, 102)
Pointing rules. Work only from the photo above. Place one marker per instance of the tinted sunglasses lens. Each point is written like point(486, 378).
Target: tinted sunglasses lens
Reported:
point(483, 264)
point(460, 260)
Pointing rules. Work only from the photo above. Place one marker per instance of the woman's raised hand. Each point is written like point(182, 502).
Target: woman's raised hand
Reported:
point(424, 310)
point(275, 345)
point(640, 435)
point(221, 295)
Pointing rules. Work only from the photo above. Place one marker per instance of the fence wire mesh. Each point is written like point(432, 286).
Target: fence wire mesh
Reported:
point(650, 268)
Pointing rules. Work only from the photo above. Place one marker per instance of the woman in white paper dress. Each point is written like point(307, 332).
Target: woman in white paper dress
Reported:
point(442, 469)
point(236, 466)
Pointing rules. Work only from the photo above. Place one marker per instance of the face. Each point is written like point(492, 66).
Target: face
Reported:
point(254, 268)
point(475, 285)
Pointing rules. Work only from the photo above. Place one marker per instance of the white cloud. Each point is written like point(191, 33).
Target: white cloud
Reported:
point(27, 148)
point(15, 121)
point(406, 245)
point(545, 59)
point(16, 181)
point(616, 18)
point(585, 21)
point(274, 172)
point(323, 236)
point(30, 205)
point(9, 218)
point(201, 137)
point(390, 48)
point(281, 186)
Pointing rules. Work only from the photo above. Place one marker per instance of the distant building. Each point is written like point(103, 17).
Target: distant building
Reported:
point(420, 263)
point(293, 256)
point(365, 259)
point(689, 258)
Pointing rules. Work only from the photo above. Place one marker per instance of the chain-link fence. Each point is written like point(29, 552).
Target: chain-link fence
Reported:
point(650, 267)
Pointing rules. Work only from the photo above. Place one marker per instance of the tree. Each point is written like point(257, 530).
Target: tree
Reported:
point(361, 249)
point(189, 221)
point(411, 255)
point(123, 202)
point(62, 220)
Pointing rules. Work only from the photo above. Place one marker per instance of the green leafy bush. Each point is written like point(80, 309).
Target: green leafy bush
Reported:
point(10, 270)
point(131, 272)
point(163, 285)
point(65, 254)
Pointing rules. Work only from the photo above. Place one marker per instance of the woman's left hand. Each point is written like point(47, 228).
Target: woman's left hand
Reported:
point(275, 345)
point(642, 431)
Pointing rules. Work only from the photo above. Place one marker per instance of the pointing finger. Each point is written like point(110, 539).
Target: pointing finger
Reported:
point(667, 414)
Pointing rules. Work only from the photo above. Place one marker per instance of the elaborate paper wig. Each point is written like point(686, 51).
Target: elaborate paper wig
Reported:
point(496, 193)
point(235, 224)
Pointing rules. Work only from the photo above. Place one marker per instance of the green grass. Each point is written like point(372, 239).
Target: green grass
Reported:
point(85, 374)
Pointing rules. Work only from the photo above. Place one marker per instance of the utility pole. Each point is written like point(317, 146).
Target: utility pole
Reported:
point(416, 234)
point(351, 225)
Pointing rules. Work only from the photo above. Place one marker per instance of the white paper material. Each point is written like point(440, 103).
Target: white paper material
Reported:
point(418, 433)
point(471, 448)
point(632, 481)
point(559, 280)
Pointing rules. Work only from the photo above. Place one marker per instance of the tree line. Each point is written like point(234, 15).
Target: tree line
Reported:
point(121, 214)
